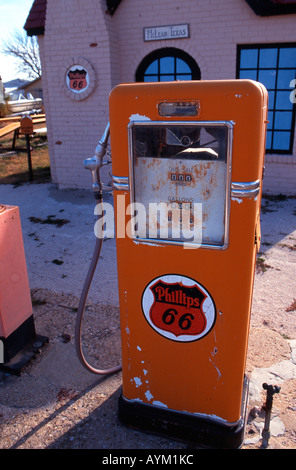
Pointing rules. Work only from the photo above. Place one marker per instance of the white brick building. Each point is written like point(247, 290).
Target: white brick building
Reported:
point(205, 40)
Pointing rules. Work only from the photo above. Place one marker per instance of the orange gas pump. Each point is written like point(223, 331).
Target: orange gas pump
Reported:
point(187, 164)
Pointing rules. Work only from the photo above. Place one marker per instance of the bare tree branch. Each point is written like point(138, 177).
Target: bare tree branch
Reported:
point(26, 50)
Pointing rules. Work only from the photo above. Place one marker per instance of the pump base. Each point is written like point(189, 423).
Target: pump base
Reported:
point(184, 426)
point(20, 347)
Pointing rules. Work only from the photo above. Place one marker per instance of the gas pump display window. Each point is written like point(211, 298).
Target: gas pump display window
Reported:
point(183, 166)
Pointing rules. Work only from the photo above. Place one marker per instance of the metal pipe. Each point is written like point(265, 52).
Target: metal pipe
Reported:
point(94, 164)
point(270, 391)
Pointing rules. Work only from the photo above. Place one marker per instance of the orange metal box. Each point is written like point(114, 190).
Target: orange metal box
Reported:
point(185, 303)
point(16, 314)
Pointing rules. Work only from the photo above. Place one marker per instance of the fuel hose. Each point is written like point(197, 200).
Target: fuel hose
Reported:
point(81, 306)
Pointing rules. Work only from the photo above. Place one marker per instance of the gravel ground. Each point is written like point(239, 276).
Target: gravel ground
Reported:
point(55, 403)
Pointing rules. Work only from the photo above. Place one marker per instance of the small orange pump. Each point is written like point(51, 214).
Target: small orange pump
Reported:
point(18, 338)
point(187, 151)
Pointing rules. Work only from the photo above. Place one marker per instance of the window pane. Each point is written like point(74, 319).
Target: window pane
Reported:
point(182, 67)
point(151, 78)
point(153, 67)
point(283, 100)
point(167, 68)
point(287, 57)
point(271, 95)
point(283, 120)
point(281, 140)
point(268, 140)
point(167, 65)
point(167, 78)
point(184, 77)
point(251, 74)
point(275, 68)
point(248, 58)
point(284, 78)
point(267, 77)
point(268, 58)
point(270, 119)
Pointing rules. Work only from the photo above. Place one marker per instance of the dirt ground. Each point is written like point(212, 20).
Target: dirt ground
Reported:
point(56, 404)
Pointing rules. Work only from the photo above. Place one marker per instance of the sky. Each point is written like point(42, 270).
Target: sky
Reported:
point(13, 15)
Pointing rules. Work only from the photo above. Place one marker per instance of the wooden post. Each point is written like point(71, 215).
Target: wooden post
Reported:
point(27, 129)
point(29, 157)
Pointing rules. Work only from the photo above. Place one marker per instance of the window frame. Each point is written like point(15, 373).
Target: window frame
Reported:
point(257, 69)
point(167, 52)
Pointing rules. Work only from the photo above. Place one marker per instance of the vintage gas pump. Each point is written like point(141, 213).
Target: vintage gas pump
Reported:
point(197, 149)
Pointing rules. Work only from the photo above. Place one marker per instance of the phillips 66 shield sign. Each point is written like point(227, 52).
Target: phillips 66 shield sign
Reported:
point(178, 308)
point(77, 78)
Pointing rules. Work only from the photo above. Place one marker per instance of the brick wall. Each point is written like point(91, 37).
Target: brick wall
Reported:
point(74, 127)
point(115, 47)
point(280, 175)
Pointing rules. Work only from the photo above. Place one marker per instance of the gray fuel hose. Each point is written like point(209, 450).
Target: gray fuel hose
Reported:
point(81, 309)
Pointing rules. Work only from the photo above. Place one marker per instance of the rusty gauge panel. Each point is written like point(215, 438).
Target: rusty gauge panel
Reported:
point(183, 167)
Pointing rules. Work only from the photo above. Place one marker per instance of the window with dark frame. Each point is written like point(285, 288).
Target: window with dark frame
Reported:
point(274, 65)
point(167, 64)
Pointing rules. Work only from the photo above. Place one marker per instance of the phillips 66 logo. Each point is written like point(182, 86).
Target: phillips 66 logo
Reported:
point(77, 78)
point(178, 308)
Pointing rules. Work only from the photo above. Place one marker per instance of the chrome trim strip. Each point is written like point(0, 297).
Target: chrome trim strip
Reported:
point(187, 243)
point(251, 185)
point(244, 189)
point(120, 179)
point(244, 194)
point(120, 183)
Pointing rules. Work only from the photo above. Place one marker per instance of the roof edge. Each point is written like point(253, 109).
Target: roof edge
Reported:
point(35, 31)
point(112, 5)
point(272, 7)
point(35, 23)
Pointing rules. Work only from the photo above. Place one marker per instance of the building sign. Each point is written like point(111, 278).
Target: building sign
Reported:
point(158, 33)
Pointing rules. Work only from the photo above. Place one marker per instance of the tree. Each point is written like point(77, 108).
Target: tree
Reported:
point(25, 50)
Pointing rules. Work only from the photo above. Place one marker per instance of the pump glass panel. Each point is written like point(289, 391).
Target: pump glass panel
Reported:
point(180, 181)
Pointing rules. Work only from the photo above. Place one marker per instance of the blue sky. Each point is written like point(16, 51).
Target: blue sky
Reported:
point(13, 15)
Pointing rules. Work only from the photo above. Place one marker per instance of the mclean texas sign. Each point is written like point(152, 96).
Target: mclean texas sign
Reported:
point(158, 33)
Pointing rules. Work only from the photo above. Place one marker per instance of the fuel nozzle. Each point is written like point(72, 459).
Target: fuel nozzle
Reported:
point(96, 162)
